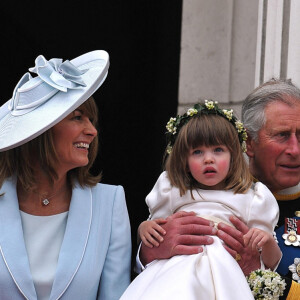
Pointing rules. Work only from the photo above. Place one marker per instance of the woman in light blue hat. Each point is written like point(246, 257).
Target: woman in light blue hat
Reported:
point(62, 234)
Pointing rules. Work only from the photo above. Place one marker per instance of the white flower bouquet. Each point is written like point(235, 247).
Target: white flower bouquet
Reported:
point(266, 284)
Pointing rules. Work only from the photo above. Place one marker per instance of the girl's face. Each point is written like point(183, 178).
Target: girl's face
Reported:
point(209, 166)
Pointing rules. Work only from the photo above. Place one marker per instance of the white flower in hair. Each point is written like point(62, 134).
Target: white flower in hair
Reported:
point(192, 111)
point(171, 125)
point(239, 126)
point(228, 113)
point(209, 107)
point(210, 104)
point(169, 149)
point(244, 146)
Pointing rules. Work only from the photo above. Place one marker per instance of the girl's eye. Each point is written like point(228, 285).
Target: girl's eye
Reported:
point(219, 149)
point(197, 152)
point(77, 117)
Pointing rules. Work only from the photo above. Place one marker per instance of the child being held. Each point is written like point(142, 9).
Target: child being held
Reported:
point(206, 173)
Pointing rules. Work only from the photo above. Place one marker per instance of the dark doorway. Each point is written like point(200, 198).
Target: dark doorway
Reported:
point(141, 90)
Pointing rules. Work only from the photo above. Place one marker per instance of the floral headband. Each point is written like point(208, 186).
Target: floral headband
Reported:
point(209, 107)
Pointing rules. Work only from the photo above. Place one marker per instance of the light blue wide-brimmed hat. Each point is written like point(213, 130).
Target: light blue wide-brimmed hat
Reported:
point(40, 102)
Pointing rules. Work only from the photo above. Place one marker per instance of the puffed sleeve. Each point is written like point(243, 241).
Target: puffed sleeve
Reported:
point(159, 199)
point(115, 277)
point(264, 210)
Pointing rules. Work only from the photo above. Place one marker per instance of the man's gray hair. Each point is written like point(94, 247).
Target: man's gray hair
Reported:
point(253, 109)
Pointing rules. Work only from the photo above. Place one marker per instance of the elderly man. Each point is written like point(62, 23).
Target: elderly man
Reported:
point(271, 114)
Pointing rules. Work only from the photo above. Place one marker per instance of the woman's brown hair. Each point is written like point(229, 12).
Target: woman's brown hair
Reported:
point(207, 130)
point(19, 161)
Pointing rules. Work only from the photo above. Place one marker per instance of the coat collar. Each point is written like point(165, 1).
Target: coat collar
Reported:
point(12, 240)
point(291, 193)
point(13, 247)
point(75, 240)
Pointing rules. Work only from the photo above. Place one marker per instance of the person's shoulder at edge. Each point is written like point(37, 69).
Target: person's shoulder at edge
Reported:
point(108, 189)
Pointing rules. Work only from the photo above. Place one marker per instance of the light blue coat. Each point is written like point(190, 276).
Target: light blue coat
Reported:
point(94, 260)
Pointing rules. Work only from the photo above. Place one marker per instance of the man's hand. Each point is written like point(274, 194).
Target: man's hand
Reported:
point(234, 243)
point(185, 234)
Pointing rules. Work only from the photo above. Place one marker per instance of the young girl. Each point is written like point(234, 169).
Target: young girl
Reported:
point(206, 173)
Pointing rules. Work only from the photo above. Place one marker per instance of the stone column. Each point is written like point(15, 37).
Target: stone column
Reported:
point(218, 51)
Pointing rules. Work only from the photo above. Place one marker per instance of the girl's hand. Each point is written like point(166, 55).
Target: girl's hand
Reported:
point(256, 238)
point(151, 232)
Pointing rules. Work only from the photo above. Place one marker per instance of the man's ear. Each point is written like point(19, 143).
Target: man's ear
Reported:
point(250, 146)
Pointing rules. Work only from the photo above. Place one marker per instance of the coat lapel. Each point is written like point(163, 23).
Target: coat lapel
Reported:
point(75, 240)
point(12, 243)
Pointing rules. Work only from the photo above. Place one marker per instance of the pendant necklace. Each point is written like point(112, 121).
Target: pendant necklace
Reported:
point(46, 201)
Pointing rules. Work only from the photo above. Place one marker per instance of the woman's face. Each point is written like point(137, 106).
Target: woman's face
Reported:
point(72, 137)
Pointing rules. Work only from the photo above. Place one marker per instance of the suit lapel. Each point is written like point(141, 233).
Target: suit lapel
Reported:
point(12, 243)
point(75, 240)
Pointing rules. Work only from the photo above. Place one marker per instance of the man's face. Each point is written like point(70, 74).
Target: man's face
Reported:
point(275, 157)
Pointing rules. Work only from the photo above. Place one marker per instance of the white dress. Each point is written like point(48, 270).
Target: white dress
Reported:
point(212, 274)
